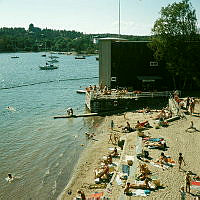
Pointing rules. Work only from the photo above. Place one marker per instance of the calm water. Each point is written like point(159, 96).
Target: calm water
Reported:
point(39, 150)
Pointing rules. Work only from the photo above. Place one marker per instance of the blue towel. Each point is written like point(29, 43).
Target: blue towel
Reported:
point(126, 169)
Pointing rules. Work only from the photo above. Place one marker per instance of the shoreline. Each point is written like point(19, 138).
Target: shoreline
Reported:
point(176, 137)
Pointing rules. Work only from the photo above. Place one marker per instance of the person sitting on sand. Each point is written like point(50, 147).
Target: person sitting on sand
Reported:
point(191, 127)
point(127, 189)
point(114, 153)
point(127, 127)
point(89, 135)
point(180, 160)
point(81, 194)
point(69, 111)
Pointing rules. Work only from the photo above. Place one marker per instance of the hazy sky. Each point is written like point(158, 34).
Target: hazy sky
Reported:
point(88, 16)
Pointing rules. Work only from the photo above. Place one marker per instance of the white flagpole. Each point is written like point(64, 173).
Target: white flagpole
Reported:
point(119, 19)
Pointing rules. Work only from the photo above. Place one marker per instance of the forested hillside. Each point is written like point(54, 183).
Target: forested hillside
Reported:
point(37, 39)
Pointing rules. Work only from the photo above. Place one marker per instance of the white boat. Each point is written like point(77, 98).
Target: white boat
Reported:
point(48, 67)
point(80, 57)
point(81, 91)
point(15, 57)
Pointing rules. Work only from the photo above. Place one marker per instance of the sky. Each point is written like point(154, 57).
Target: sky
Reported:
point(87, 16)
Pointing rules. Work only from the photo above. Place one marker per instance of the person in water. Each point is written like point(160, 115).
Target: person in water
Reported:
point(10, 177)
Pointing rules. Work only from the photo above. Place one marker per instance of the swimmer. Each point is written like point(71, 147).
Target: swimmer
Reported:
point(10, 178)
point(10, 108)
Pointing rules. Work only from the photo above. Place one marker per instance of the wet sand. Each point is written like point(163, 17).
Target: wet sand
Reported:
point(178, 140)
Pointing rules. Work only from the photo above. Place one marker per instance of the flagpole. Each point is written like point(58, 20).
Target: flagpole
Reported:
point(119, 19)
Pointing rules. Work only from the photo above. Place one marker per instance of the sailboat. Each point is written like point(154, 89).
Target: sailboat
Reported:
point(49, 64)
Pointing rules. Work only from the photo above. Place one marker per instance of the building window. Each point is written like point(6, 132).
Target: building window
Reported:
point(153, 64)
point(114, 79)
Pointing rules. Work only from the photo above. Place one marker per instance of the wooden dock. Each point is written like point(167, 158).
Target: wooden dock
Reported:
point(75, 116)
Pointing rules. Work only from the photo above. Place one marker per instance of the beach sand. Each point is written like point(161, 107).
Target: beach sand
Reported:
point(178, 140)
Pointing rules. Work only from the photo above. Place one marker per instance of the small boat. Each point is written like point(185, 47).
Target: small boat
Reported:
point(97, 58)
point(81, 91)
point(79, 57)
point(53, 61)
point(44, 55)
point(15, 57)
point(48, 67)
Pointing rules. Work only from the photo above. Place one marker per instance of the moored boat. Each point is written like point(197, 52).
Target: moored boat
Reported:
point(48, 67)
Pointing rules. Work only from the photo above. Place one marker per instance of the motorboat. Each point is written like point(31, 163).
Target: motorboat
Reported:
point(48, 67)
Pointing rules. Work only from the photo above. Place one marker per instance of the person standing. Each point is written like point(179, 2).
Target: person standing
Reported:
point(187, 180)
point(183, 193)
point(82, 194)
point(112, 124)
point(180, 160)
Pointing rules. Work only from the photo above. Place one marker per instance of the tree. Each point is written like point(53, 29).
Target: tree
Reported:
point(173, 36)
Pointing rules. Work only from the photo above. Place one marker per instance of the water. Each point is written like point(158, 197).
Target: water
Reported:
point(39, 150)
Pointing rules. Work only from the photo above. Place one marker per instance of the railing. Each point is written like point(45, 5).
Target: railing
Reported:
point(123, 95)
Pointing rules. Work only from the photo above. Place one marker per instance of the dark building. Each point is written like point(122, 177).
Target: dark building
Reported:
point(131, 64)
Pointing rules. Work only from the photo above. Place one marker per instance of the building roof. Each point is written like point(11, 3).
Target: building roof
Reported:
point(113, 39)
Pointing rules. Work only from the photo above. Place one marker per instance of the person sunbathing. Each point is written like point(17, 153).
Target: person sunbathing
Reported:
point(159, 144)
point(109, 159)
point(144, 185)
point(102, 173)
point(144, 169)
point(164, 160)
point(142, 125)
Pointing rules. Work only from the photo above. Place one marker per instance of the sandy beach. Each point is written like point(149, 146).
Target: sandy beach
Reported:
point(171, 179)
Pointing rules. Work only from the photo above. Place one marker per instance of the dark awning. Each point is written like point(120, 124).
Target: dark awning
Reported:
point(148, 78)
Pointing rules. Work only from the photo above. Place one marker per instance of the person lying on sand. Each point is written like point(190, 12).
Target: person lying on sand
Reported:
point(102, 172)
point(142, 125)
point(144, 185)
point(164, 160)
point(160, 144)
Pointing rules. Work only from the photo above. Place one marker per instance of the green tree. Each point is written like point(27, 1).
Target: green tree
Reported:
point(173, 36)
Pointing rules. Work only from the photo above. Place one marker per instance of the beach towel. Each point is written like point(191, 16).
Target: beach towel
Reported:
point(195, 185)
point(118, 180)
point(154, 139)
point(159, 166)
point(126, 169)
point(129, 158)
point(95, 196)
point(140, 192)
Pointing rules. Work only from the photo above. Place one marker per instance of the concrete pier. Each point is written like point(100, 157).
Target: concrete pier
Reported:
point(97, 101)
